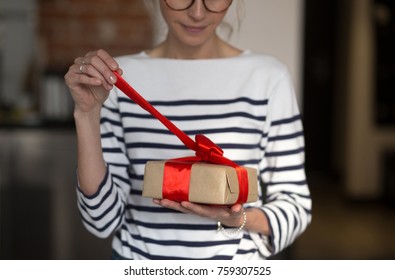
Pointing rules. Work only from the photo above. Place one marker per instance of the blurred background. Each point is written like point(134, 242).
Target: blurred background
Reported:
point(341, 55)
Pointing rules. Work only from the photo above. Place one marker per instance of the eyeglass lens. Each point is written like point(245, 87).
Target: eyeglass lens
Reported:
point(215, 6)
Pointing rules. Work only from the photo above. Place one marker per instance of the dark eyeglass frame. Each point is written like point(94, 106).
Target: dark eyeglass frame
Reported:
point(193, 1)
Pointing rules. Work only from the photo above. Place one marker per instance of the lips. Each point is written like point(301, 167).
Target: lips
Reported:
point(194, 29)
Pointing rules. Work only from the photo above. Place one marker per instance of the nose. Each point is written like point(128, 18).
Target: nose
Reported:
point(197, 10)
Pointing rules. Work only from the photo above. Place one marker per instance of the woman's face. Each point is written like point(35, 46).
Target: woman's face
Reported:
point(193, 27)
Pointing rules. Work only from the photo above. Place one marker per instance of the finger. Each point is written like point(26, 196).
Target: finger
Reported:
point(102, 61)
point(120, 71)
point(92, 71)
point(81, 60)
point(101, 68)
point(172, 205)
point(106, 64)
point(211, 212)
point(236, 209)
point(104, 56)
point(74, 78)
point(83, 66)
point(108, 59)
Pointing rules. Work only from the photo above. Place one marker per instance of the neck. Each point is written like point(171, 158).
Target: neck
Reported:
point(216, 49)
point(173, 49)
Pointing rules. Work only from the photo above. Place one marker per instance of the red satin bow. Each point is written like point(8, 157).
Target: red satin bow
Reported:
point(205, 149)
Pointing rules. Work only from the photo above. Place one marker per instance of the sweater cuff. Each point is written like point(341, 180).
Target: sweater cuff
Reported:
point(104, 185)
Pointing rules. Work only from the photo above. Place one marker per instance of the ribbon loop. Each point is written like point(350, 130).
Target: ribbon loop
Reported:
point(206, 149)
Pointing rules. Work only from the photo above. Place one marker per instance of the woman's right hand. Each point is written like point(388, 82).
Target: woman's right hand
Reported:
point(90, 80)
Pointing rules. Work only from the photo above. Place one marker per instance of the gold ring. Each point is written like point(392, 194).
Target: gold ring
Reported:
point(81, 67)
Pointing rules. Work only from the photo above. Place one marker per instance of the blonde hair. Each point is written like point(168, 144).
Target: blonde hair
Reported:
point(231, 22)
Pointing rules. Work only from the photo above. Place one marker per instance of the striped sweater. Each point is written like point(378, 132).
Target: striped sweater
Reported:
point(246, 105)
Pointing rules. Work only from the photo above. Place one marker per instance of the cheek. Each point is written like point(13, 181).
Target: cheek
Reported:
point(216, 20)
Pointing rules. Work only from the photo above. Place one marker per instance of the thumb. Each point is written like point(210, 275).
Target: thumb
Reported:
point(237, 208)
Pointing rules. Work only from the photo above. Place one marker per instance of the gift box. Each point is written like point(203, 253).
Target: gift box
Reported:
point(197, 182)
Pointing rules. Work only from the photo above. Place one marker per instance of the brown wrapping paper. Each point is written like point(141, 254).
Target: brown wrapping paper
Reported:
point(209, 183)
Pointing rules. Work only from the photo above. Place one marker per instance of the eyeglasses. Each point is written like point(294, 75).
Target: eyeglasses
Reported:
point(214, 6)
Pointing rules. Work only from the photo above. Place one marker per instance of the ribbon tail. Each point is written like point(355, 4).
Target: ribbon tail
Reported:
point(138, 99)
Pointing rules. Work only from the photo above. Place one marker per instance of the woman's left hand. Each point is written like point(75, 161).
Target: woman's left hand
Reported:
point(231, 216)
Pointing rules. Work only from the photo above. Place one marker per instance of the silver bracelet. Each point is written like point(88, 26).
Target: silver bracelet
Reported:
point(232, 232)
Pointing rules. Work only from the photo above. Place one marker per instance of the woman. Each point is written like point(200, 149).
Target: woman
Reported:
point(242, 101)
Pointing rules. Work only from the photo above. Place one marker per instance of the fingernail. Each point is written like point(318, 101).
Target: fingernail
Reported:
point(114, 66)
point(113, 79)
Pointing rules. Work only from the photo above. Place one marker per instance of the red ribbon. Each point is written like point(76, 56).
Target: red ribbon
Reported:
point(205, 150)
point(176, 179)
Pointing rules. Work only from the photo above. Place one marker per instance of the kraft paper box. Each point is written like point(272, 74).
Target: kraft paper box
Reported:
point(209, 183)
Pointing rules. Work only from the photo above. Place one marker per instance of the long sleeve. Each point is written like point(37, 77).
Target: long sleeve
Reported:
point(102, 213)
point(288, 202)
